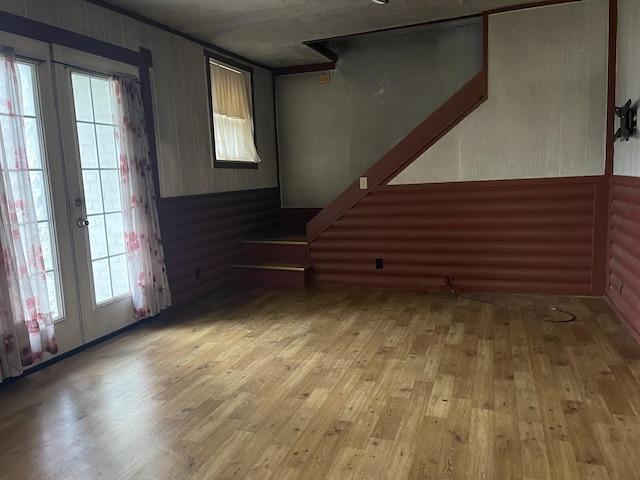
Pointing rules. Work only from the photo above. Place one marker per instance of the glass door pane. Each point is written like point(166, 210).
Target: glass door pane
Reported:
point(38, 172)
point(96, 129)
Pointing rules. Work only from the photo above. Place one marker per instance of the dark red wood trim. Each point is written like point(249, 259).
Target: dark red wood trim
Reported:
point(49, 34)
point(203, 197)
point(524, 6)
point(323, 50)
point(312, 67)
point(161, 26)
point(519, 182)
point(610, 152)
point(447, 116)
point(611, 84)
point(599, 258)
point(623, 272)
point(314, 43)
point(626, 181)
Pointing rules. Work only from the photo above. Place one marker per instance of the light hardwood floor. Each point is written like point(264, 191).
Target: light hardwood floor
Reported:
point(338, 383)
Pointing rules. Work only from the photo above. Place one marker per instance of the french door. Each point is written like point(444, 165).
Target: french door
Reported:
point(70, 132)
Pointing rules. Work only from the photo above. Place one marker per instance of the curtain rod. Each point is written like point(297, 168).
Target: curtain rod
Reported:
point(84, 70)
point(39, 61)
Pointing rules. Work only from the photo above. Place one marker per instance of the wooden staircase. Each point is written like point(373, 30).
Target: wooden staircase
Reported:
point(275, 259)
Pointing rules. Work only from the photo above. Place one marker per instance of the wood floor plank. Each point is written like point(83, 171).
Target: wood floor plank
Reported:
point(338, 383)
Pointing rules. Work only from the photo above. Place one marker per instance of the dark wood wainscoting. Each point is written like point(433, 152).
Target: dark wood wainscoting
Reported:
point(203, 236)
point(525, 236)
point(623, 290)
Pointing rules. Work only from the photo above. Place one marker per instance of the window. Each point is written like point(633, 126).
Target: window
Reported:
point(31, 120)
point(232, 116)
point(94, 103)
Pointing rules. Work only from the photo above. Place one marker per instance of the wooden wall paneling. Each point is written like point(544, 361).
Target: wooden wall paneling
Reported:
point(624, 261)
point(72, 15)
point(134, 34)
point(468, 150)
point(113, 28)
point(442, 169)
point(529, 236)
point(184, 158)
point(201, 112)
point(184, 90)
point(44, 11)
point(14, 6)
point(492, 147)
point(551, 98)
point(169, 168)
point(523, 111)
point(205, 232)
point(265, 127)
point(95, 22)
point(574, 93)
point(601, 228)
point(597, 106)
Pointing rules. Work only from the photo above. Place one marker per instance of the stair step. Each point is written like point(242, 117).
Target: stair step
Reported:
point(274, 275)
point(282, 268)
point(276, 251)
point(276, 242)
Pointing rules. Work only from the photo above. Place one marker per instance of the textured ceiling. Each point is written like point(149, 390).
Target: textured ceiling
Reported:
point(272, 32)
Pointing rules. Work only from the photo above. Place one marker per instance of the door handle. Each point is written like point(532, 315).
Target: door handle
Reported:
point(82, 223)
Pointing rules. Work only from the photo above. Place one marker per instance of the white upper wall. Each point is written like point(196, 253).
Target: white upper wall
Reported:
point(546, 111)
point(180, 92)
point(627, 154)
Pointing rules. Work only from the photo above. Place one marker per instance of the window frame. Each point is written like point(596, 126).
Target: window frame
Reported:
point(213, 57)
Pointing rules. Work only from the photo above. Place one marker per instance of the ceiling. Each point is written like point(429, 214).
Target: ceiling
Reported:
point(272, 32)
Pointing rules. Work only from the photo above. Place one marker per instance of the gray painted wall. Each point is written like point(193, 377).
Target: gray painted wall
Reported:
point(384, 86)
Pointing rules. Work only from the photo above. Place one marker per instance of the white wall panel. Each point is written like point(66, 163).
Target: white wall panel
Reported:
point(113, 28)
point(72, 15)
point(546, 111)
point(14, 6)
point(42, 10)
point(627, 154)
point(180, 94)
point(170, 170)
point(95, 21)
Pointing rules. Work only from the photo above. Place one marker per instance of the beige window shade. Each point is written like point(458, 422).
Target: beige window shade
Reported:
point(232, 115)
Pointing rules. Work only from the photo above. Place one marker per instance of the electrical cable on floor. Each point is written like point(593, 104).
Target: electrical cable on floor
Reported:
point(570, 316)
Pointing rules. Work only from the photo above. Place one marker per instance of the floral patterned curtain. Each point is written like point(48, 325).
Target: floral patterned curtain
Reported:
point(148, 277)
point(25, 316)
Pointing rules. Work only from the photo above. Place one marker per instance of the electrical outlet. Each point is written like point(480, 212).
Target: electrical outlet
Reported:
point(364, 183)
point(379, 264)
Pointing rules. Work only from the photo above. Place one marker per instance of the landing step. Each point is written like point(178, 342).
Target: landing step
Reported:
point(274, 275)
point(276, 241)
point(280, 268)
